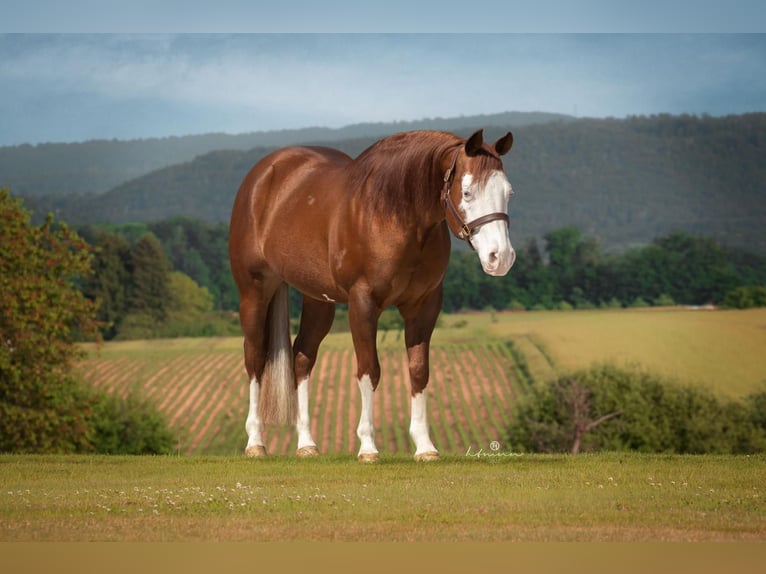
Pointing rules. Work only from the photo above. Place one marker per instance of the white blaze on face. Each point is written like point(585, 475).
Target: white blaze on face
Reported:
point(491, 240)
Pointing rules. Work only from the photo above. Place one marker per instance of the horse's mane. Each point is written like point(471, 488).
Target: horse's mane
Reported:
point(404, 172)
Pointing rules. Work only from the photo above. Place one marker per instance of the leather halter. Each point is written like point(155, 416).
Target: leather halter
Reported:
point(467, 229)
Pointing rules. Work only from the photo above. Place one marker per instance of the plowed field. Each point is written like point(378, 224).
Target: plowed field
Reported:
point(203, 393)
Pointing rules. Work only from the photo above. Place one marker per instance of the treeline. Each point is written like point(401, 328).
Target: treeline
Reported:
point(144, 287)
point(568, 270)
point(172, 277)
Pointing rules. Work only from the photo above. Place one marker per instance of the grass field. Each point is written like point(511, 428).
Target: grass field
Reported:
point(209, 491)
point(607, 497)
point(723, 350)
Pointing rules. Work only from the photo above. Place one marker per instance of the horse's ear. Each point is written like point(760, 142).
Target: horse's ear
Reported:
point(504, 144)
point(474, 143)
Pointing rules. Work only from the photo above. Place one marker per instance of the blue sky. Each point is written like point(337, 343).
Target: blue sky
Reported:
point(62, 81)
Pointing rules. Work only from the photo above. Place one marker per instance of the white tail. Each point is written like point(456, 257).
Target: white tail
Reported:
point(278, 400)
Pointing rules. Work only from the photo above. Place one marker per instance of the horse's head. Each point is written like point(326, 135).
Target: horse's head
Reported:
point(476, 194)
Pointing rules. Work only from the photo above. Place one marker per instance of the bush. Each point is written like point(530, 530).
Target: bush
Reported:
point(129, 426)
point(664, 300)
point(607, 408)
point(746, 298)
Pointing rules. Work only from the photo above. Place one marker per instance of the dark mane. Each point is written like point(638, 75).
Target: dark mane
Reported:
point(403, 172)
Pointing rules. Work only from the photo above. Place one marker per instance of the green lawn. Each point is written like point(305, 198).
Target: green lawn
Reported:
point(606, 497)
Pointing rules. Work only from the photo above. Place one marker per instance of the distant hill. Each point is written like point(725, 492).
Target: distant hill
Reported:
point(625, 182)
point(100, 165)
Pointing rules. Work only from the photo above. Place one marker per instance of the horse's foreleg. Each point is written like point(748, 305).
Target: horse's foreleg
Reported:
point(418, 326)
point(316, 320)
point(363, 318)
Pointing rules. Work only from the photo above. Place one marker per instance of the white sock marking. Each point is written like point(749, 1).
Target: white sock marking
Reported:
point(303, 425)
point(253, 424)
point(419, 425)
point(365, 430)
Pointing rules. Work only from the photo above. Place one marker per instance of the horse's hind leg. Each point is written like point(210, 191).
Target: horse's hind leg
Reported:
point(253, 313)
point(316, 320)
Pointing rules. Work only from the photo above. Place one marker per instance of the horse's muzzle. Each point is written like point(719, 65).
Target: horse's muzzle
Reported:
point(498, 262)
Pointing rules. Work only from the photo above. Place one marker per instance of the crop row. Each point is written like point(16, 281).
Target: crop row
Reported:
point(471, 397)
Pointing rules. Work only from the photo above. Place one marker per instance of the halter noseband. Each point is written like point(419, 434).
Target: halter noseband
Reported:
point(467, 229)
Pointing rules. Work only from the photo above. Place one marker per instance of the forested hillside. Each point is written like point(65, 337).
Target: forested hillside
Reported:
point(623, 182)
point(97, 166)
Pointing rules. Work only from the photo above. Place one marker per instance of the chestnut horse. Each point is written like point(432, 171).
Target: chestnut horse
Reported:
point(371, 232)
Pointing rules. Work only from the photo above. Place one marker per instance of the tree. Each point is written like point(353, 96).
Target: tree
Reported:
point(186, 297)
point(536, 282)
point(108, 285)
point(150, 285)
point(698, 269)
point(42, 314)
point(461, 283)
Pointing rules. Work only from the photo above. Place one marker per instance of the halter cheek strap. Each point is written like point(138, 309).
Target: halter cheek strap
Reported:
point(466, 229)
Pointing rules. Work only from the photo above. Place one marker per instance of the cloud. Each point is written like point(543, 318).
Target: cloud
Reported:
point(86, 86)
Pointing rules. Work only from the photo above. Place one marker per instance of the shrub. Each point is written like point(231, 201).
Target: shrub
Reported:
point(608, 408)
point(129, 426)
point(664, 300)
point(746, 297)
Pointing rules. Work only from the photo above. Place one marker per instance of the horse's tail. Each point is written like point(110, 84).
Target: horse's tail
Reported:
point(277, 404)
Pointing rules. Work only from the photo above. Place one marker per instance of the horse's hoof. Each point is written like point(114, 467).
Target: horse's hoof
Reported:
point(256, 451)
point(368, 457)
point(431, 456)
point(307, 451)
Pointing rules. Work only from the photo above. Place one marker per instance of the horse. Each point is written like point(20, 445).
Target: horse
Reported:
point(370, 232)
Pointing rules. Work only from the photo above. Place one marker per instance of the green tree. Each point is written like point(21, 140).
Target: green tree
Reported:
point(572, 262)
point(698, 269)
point(186, 297)
point(746, 297)
point(150, 295)
point(536, 282)
point(43, 408)
point(109, 283)
point(461, 283)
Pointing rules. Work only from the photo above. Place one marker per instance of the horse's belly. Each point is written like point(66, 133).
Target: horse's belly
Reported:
point(315, 282)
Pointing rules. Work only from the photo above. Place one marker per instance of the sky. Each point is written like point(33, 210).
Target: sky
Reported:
point(64, 78)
